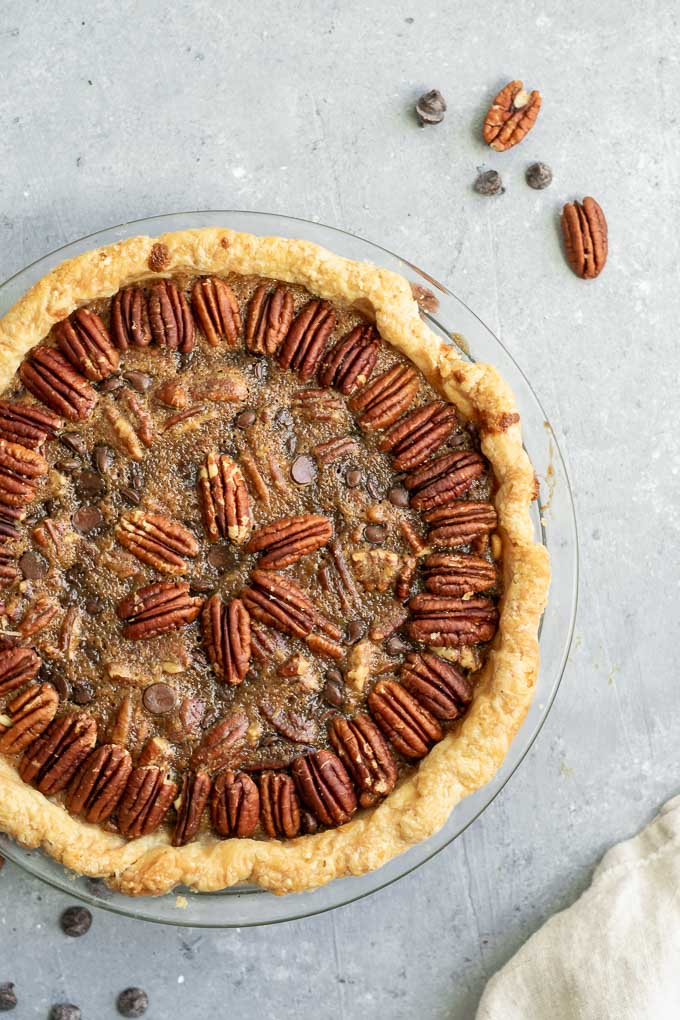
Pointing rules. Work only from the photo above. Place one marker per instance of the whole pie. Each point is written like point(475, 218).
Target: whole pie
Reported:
point(270, 588)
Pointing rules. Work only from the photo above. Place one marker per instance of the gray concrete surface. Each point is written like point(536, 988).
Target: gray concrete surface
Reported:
point(115, 111)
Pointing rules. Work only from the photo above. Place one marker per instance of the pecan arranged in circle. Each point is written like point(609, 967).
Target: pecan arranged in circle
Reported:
point(157, 540)
point(444, 479)
point(439, 687)
point(195, 793)
point(27, 425)
point(157, 609)
point(221, 743)
point(234, 805)
point(225, 502)
point(361, 748)
point(386, 398)
point(226, 635)
point(53, 759)
point(512, 115)
point(289, 539)
point(325, 787)
point(170, 318)
point(460, 523)
point(84, 340)
point(449, 622)
point(19, 470)
point(9, 570)
point(146, 801)
point(585, 233)
point(349, 364)
point(410, 727)
point(52, 379)
point(280, 805)
point(130, 326)
point(458, 574)
point(30, 713)
point(18, 666)
point(416, 437)
point(100, 783)
point(270, 314)
point(280, 603)
point(216, 308)
point(306, 340)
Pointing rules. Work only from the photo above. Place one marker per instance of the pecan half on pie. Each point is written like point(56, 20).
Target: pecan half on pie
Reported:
point(270, 592)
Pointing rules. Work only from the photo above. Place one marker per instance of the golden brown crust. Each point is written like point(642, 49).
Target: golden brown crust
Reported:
point(470, 755)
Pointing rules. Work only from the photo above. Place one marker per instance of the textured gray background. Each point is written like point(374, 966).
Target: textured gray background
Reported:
point(116, 111)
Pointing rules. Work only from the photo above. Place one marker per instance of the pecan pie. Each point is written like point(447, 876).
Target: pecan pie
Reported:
point(270, 591)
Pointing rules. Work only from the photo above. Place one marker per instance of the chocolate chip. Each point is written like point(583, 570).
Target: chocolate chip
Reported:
point(87, 519)
point(246, 418)
point(373, 487)
point(309, 823)
point(431, 108)
point(94, 606)
point(159, 699)
point(103, 458)
point(303, 470)
point(355, 631)
point(68, 466)
point(75, 442)
point(132, 1002)
point(8, 998)
point(220, 557)
point(65, 1011)
point(89, 485)
point(396, 646)
point(82, 694)
point(32, 566)
point(111, 385)
point(201, 585)
point(334, 692)
point(139, 381)
point(353, 478)
point(75, 921)
point(59, 681)
point(539, 176)
point(398, 496)
point(375, 534)
point(489, 182)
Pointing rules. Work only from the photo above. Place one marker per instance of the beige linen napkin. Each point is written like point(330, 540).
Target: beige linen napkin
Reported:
point(614, 954)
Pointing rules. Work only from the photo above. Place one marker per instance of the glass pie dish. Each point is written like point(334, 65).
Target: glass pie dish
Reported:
point(554, 524)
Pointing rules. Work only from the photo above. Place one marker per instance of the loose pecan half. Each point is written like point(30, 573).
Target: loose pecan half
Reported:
point(349, 364)
point(270, 314)
point(19, 470)
point(100, 783)
point(278, 602)
point(444, 479)
point(130, 326)
point(38, 616)
point(334, 449)
point(325, 787)
point(512, 115)
point(216, 308)
point(417, 436)
point(280, 805)
point(27, 425)
point(220, 744)
point(585, 233)
point(361, 748)
point(290, 723)
point(170, 318)
point(195, 793)
point(458, 574)
point(226, 635)
point(157, 609)
point(460, 523)
point(439, 687)
point(410, 727)
point(234, 805)
point(84, 340)
point(53, 759)
point(225, 502)
point(18, 666)
point(449, 623)
point(52, 379)
point(30, 713)
point(386, 398)
point(157, 540)
point(289, 539)
point(146, 801)
point(306, 339)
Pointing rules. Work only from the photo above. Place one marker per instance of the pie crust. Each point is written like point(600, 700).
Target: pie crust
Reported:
point(473, 750)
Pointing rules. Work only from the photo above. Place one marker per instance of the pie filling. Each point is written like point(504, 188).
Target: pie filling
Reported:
point(248, 559)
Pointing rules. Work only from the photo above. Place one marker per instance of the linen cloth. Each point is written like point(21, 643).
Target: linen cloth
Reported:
point(612, 955)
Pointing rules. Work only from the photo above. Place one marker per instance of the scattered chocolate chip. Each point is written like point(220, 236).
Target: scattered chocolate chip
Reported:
point(65, 1011)
point(132, 1002)
point(353, 478)
point(290, 445)
point(159, 699)
point(94, 606)
point(75, 921)
point(8, 997)
point(89, 485)
point(75, 442)
point(489, 183)
point(131, 495)
point(373, 487)
point(139, 381)
point(32, 566)
point(334, 692)
point(103, 458)
point(220, 557)
point(375, 534)
point(246, 418)
point(284, 418)
point(398, 496)
point(430, 108)
point(539, 176)
point(82, 694)
point(59, 681)
point(309, 823)
point(68, 466)
point(396, 646)
point(111, 385)
point(303, 470)
point(355, 631)
point(87, 519)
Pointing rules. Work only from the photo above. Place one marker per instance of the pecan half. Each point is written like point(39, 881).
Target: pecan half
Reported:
point(270, 314)
point(361, 748)
point(349, 364)
point(289, 539)
point(157, 540)
point(146, 801)
point(234, 805)
point(18, 666)
point(19, 470)
point(335, 449)
point(439, 687)
point(417, 436)
point(448, 622)
point(27, 425)
point(511, 116)
point(216, 308)
point(157, 609)
point(444, 479)
point(386, 398)
point(195, 793)
point(53, 759)
point(280, 805)
point(170, 318)
point(225, 502)
point(585, 233)
point(306, 339)
point(84, 340)
point(100, 783)
point(319, 405)
point(325, 787)
point(460, 523)
point(130, 326)
point(221, 742)
point(30, 713)
point(37, 617)
point(290, 724)
point(226, 635)
point(9, 569)
point(458, 574)
point(278, 602)
point(125, 435)
point(406, 724)
point(52, 379)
